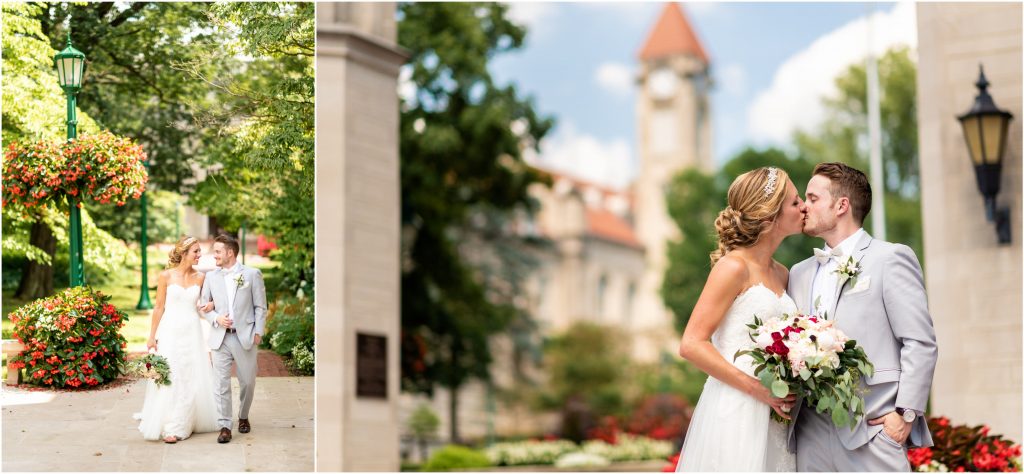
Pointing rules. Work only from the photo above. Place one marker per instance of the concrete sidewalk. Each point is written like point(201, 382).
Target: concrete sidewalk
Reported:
point(94, 431)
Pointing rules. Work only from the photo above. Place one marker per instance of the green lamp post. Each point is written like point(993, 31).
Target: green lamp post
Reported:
point(243, 243)
point(70, 65)
point(144, 302)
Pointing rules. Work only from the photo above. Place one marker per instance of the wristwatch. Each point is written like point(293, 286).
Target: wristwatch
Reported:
point(908, 415)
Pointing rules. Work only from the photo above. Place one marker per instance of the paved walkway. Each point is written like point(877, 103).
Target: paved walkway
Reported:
point(94, 431)
point(268, 364)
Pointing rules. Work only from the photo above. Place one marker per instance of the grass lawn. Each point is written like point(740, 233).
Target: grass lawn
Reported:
point(123, 287)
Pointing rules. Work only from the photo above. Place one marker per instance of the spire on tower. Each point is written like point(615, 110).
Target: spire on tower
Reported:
point(672, 34)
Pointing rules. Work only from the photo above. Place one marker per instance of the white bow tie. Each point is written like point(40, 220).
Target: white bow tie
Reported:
point(823, 257)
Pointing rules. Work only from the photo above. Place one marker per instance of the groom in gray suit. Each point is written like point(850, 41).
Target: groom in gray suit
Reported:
point(238, 317)
point(881, 303)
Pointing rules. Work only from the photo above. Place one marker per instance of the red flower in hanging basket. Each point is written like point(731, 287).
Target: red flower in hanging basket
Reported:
point(44, 173)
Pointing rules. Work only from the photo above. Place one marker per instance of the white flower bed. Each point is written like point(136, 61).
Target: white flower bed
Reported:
point(529, 452)
point(580, 459)
point(630, 448)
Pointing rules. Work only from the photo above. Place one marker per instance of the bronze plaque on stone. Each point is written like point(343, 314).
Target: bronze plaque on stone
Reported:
point(371, 366)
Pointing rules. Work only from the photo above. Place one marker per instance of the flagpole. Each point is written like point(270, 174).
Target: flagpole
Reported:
point(875, 137)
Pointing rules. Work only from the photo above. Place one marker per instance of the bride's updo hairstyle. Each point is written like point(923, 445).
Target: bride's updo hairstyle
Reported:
point(755, 200)
point(180, 249)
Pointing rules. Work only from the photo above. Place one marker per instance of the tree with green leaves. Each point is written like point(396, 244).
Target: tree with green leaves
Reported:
point(261, 152)
point(131, 85)
point(35, 109)
point(460, 158)
point(586, 371)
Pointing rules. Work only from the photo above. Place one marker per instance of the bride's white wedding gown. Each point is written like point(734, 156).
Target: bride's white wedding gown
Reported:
point(187, 405)
point(730, 430)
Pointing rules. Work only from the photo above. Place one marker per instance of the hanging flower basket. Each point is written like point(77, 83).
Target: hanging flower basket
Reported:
point(102, 167)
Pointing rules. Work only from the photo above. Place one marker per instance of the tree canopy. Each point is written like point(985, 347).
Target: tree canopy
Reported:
point(462, 137)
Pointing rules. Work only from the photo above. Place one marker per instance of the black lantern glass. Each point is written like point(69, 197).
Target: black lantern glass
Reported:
point(985, 129)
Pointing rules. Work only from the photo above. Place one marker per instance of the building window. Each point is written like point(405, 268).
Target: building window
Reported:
point(627, 312)
point(602, 287)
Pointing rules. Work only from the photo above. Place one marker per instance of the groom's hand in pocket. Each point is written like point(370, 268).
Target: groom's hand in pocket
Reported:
point(894, 426)
point(256, 338)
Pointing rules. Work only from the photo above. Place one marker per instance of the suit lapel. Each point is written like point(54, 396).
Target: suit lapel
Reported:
point(804, 285)
point(234, 303)
point(858, 253)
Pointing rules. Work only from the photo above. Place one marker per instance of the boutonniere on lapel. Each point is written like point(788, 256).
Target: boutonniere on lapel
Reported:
point(847, 270)
point(239, 281)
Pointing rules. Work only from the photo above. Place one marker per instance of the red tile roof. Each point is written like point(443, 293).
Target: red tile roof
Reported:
point(672, 34)
point(606, 225)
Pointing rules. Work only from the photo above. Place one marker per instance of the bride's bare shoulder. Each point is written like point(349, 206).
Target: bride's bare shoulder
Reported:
point(730, 268)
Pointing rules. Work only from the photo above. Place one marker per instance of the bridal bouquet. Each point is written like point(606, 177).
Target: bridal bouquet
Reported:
point(809, 357)
point(152, 366)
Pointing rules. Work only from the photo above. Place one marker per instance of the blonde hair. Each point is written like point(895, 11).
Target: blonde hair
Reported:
point(180, 248)
point(755, 200)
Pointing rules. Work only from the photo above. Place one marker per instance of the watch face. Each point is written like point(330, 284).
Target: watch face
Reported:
point(909, 416)
point(663, 83)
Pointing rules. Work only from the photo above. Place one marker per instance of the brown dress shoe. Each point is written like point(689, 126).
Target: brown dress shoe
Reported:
point(225, 435)
point(243, 425)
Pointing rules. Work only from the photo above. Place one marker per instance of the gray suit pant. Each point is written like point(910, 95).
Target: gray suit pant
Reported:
point(231, 350)
point(818, 448)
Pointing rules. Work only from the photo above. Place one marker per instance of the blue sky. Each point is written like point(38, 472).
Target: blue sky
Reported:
point(772, 62)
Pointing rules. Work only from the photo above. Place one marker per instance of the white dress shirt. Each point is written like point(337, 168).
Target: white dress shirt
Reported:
point(231, 284)
point(826, 280)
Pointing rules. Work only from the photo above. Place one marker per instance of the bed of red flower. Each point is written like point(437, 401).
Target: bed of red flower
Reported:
point(71, 339)
point(958, 448)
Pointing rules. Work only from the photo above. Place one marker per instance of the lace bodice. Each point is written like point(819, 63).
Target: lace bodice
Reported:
point(733, 334)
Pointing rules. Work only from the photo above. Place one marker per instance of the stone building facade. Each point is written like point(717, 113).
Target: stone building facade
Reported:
point(357, 245)
point(974, 283)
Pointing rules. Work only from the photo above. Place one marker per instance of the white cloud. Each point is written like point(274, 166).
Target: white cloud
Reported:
point(630, 13)
point(793, 101)
point(535, 16)
point(616, 78)
point(733, 79)
point(703, 8)
point(609, 162)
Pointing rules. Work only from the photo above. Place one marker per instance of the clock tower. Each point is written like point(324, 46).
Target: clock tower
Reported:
point(673, 115)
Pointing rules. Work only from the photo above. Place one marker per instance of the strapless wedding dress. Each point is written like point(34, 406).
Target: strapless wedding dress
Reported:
point(730, 430)
point(187, 405)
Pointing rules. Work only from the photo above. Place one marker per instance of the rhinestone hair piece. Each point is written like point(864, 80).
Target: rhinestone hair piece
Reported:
point(773, 177)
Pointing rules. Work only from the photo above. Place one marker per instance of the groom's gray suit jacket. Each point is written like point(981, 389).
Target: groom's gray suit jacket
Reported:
point(886, 313)
point(249, 310)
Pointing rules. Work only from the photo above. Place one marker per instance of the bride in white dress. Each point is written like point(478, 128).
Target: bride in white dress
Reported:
point(173, 412)
point(731, 429)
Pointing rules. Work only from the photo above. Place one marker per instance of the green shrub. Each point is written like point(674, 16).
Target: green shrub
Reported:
point(453, 457)
point(290, 332)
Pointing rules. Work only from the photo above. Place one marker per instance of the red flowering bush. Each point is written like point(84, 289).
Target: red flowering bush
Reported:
point(962, 448)
point(663, 416)
point(264, 246)
point(71, 339)
point(101, 167)
point(607, 430)
point(673, 461)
